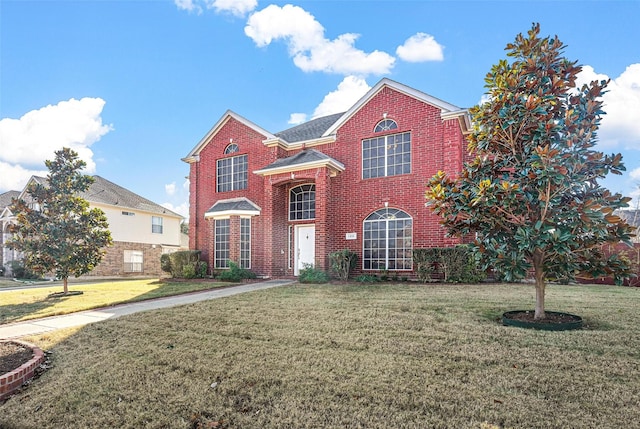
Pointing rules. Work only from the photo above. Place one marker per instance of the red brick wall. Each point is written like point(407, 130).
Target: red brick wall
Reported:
point(342, 202)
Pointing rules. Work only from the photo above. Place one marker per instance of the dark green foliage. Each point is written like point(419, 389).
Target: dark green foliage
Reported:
point(55, 228)
point(367, 278)
point(451, 264)
point(235, 273)
point(310, 274)
point(184, 264)
point(532, 196)
point(19, 271)
point(342, 262)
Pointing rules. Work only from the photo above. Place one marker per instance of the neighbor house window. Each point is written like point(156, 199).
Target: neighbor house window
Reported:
point(133, 260)
point(128, 213)
point(222, 232)
point(232, 173)
point(245, 243)
point(302, 202)
point(386, 156)
point(156, 224)
point(387, 240)
point(385, 125)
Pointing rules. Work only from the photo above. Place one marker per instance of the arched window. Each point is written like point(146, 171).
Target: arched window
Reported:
point(385, 125)
point(387, 240)
point(232, 148)
point(302, 202)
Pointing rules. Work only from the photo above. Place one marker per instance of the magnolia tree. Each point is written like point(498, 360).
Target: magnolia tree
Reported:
point(55, 228)
point(531, 196)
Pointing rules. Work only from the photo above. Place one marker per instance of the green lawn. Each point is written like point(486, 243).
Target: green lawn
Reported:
point(33, 303)
point(376, 356)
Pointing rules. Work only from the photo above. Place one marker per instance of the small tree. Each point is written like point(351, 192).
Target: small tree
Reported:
point(55, 229)
point(531, 195)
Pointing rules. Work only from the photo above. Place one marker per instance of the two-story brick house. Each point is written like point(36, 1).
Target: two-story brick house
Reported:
point(274, 202)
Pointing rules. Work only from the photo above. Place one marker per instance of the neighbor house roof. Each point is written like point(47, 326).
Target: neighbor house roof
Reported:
point(103, 191)
point(6, 197)
point(233, 206)
point(303, 160)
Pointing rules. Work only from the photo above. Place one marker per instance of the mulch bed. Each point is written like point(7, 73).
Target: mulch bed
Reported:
point(13, 355)
point(551, 317)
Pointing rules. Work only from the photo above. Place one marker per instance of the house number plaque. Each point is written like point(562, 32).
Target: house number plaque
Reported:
point(351, 236)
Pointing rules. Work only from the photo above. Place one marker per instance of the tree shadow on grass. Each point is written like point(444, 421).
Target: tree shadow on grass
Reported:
point(18, 312)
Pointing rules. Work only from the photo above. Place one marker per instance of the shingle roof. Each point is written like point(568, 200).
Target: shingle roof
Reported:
point(313, 129)
point(303, 157)
point(631, 216)
point(102, 191)
point(6, 197)
point(233, 205)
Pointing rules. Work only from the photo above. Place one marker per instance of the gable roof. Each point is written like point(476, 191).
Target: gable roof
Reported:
point(103, 191)
point(6, 197)
point(195, 152)
point(308, 158)
point(233, 206)
point(448, 110)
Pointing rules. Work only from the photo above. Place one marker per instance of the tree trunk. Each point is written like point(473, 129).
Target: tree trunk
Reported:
point(65, 285)
point(538, 267)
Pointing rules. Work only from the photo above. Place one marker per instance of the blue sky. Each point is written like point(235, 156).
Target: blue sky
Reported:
point(134, 85)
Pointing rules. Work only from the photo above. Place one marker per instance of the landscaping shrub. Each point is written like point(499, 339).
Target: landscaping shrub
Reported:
point(19, 271)
point(235, 273)
point(184, 264)
point(451, 264)
point(310, 274)
point(367, 278)
point(342, 262)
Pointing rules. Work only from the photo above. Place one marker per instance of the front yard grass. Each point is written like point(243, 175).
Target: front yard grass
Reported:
point(33, 303)
point(367, 356)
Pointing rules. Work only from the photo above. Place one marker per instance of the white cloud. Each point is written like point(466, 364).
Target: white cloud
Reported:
point(349, 91)
point(621, 125)
point(310, 50)
point(15, 177)
point(170, 189)
point(419, 48)
point(29, 141)
point(297, 118)
point(181, 209)
point(236, 7)
point(188, 5)
point(635, 174)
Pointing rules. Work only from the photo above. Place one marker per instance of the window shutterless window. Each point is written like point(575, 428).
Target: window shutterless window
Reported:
point(232, 173)
point(245, 243)
point(387, 240)
point(302, 202)
point(222, 232)
point(386, 156)
point(156, 224)
point(133, 260)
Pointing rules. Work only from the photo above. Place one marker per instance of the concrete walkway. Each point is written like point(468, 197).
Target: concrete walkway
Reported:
point(81, 318)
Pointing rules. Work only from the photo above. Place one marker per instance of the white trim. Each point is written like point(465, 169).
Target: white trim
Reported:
point(279, 142)
point(228, 213)
point(337, 166)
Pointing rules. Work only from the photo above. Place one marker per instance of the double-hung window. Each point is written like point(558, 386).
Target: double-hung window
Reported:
point(156, 224)
point(133, 260)
point(386, 155)
point(232, 173)
point(222, 236)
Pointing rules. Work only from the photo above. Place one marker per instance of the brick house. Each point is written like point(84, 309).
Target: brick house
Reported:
point(141, 229)
point(274, 202)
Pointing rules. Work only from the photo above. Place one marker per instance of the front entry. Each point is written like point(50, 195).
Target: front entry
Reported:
point(305, 247)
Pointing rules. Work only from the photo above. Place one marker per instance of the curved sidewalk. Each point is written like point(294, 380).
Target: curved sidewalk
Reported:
point(81, 318)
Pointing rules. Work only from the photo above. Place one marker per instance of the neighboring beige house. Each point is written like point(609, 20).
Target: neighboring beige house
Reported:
point(141, 229)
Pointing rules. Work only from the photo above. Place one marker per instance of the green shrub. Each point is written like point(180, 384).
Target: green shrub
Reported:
point(184, 264)
point(342, 262)
point(310, 274)
point(165, 262)
point(425, 261)
point(20, 271)
point(451, 264)
point(367, 278)
point(235, 273)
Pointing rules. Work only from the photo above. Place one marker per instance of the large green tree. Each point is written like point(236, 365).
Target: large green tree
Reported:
point(531, 197)
point(55, 228)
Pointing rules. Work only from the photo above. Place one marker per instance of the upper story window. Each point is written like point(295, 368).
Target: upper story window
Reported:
point(302, 202)
point(386, 156)
point(232, 173)
point(232, 148)
point(156, 224)
point(385, 125)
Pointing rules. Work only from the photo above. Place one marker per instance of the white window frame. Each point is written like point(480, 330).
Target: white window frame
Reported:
point(133, 261)
point(156, 225)
point(238, 178)
point(396, 245)
point(390, 144)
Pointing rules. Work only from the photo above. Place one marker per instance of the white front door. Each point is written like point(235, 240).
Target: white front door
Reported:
point(305, 246)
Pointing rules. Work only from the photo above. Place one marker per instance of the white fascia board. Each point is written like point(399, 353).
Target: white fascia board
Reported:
point(463, 117)
point(227, 213)
point(223, 120)
point(335, 165)
point(411, 92)
point(301, 144)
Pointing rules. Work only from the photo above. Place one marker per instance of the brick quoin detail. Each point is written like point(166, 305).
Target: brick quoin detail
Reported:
point(344, 200)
